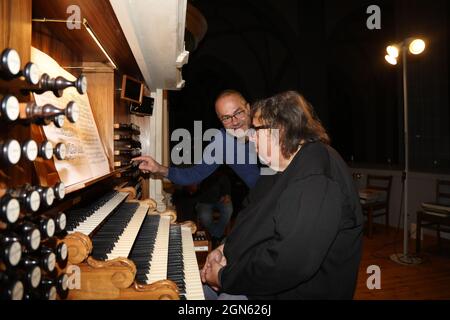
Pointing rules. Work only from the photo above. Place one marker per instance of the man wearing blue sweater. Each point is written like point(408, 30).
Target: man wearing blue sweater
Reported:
point(234, 113)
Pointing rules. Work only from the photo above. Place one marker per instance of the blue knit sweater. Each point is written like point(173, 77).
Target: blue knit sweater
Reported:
point(238, 155)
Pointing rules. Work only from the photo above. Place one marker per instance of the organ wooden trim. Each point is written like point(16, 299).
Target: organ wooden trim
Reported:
point(79, 247)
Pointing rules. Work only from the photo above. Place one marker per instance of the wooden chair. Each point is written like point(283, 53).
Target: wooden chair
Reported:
point(379, 207)
point(435, 221)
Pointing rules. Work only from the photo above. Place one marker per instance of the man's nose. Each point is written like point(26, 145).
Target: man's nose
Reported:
point(234, 120)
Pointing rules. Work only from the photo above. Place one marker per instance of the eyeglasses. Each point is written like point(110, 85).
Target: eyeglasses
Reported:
point(252, 130)
point(227, 119)
point(259, 127)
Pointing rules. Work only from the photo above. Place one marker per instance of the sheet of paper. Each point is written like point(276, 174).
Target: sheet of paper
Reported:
point(86, 157)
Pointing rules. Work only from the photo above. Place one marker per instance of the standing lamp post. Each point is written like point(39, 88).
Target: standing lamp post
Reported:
point(416, 47)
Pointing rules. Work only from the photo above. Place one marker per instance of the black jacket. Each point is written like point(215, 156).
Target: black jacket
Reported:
point(301, 235)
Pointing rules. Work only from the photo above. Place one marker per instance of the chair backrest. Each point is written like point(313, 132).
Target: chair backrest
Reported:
point(443, 192)
point(382, 183)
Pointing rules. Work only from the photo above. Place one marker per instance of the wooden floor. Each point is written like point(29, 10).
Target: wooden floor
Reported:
point(427, 281)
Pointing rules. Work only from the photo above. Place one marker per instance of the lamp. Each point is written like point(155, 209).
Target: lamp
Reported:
point(91, 34)
point(414, 46)
point(97, 41)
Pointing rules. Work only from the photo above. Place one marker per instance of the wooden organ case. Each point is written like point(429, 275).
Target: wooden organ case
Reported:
point(100, 239)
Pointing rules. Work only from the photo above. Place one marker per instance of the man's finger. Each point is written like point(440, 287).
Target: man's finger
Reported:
point(139, 158)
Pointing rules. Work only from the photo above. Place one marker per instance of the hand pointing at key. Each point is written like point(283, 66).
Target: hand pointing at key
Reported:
point(148, 164)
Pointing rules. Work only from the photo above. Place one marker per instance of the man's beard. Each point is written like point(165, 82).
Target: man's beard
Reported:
point(239, 133)
point(263, 160)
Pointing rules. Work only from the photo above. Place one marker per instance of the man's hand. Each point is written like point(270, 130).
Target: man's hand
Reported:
point(214, 262)
point(212, 276)
point(148, 164)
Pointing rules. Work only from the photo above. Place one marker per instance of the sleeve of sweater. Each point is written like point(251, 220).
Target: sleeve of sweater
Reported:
point(212, 158)
point(192, 175)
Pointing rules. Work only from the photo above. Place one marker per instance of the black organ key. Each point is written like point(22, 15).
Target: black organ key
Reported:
point(75, 216)
point(104, 239)
point(142, 251)
point(78, 219)
point(175, 265)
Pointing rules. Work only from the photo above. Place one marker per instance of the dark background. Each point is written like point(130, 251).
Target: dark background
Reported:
point(324, 50)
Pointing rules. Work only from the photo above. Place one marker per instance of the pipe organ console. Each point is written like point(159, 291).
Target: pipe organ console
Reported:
point(105, 232)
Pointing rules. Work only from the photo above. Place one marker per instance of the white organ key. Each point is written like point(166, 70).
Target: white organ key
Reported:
point(125, 242)
point(158, 265)
point(194, 287)
point(93, 221)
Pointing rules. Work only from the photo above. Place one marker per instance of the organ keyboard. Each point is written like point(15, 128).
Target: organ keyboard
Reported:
point(120, 232)
point(158, 267)
point(164, 251)
point(86, 220)
point(123, 245)
point(194, 288)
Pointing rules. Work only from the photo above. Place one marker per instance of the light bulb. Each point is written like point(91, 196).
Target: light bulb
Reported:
point(417, 46)
point(393, 51)
point(391, 59)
